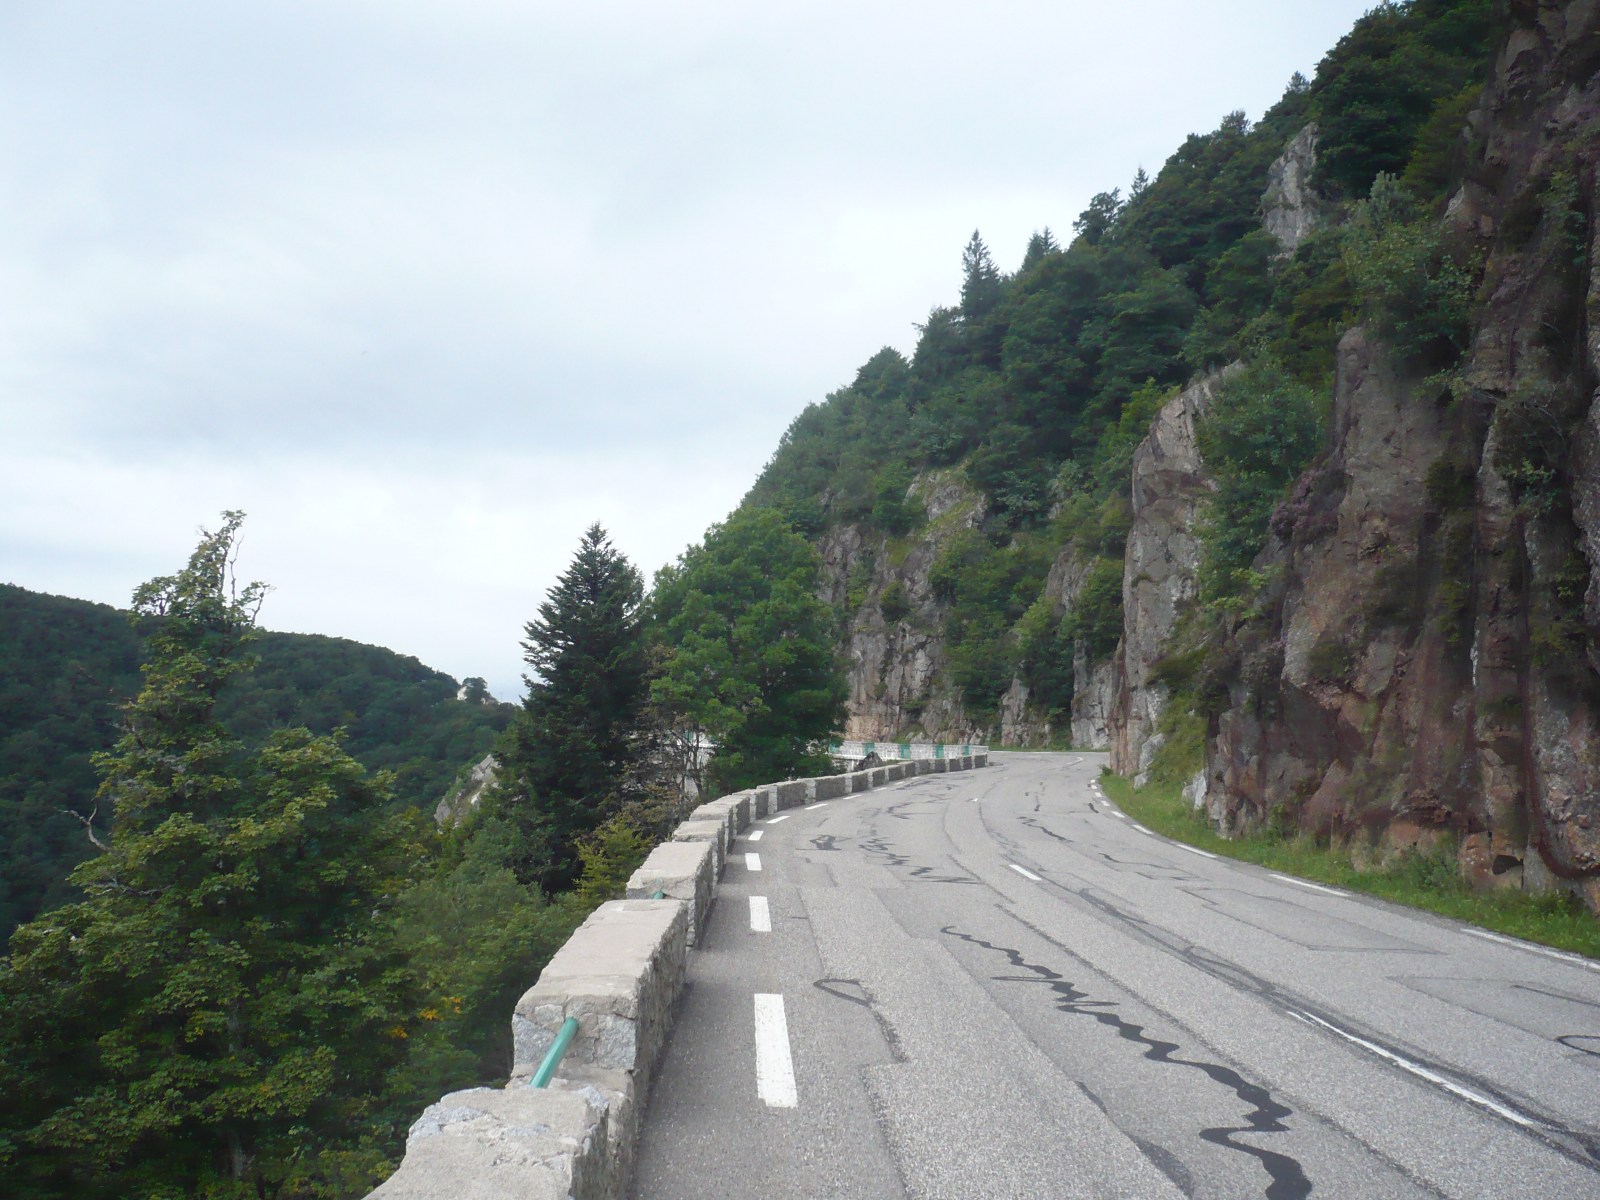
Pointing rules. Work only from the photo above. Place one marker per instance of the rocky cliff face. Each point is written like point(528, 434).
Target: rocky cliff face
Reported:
point(1158, 577)
point(1427, 660)
point(897, 661)
point(1289, 209)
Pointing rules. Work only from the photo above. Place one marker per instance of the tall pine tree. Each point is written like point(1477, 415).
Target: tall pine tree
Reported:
point(564, 758)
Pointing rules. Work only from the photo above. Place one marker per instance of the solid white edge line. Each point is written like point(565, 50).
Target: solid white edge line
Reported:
point(753, 861)
point(1025, 873)
point(1194, 850)
point(775, 820)
point(774, 1064)
point(760, 915)
point(1119, 816)
point(755, 836)
point(1422, 1072)
point(1306, 883)
point(1140, 827)
point(1542, 951)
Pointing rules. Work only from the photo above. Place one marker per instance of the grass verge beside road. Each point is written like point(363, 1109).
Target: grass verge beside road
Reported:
point(1422, 880)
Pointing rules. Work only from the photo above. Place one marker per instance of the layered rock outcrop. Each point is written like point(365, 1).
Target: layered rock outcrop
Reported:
point(896, 654)
point(1427, 662)
point(1290, 209)
point(1159, 571)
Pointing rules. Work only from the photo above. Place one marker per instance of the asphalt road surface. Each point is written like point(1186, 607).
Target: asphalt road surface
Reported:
point(994, 984)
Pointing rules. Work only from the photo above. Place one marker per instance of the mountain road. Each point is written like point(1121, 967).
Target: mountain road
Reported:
point(996, 984)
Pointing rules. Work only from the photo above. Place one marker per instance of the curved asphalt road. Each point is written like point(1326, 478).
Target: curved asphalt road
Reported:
point(993, 984)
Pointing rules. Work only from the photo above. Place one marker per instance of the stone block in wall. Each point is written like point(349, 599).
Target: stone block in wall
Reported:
point(513, 1143)
point(734, 809)
point(940, 765)
point(619, 974)
point(763, 801)
point(684, 871)
point(793, 793)
point(877, 776)
point(710, 830)
point(830, 787)
point(718, 810)
point(924, 765)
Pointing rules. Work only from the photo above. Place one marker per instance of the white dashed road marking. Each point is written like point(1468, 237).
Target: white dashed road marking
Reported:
point(775, 820)
point(760, 914)
point(1305, 883)
point(818, 804)
point(1195, 850)
point(1024, 872)
point(753, 861)
point(1544, 951)
point(1421, 1072)
point(756, 836)
point(774, 1065)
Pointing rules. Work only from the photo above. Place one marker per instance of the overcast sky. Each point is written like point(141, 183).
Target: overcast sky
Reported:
point(426, 287)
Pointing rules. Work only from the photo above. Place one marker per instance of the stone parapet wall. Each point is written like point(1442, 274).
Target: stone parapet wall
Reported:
point(620, 976)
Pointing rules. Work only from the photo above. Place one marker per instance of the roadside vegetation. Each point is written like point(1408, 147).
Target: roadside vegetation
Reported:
point(1429, 879)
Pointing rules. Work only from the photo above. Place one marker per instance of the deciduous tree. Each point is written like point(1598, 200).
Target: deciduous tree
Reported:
point(216, 1018)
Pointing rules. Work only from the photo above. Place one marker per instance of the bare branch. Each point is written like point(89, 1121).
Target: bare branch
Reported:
point(88, 825)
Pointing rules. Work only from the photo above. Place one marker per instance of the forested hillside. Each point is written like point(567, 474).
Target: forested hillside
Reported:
point(1278, 479)
point(272, 959)
point(67, 666)
point(1024, 401)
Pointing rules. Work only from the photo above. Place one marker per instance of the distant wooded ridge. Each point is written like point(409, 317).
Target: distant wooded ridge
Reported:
point(66, 667)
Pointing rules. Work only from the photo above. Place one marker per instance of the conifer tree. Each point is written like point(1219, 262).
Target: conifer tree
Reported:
point(215, 1017)
point(981, 293)
point(980, 280)
point(565, 756)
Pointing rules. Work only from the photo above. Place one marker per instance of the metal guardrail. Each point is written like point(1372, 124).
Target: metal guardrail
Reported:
point(904, 751)
point(553, 1056)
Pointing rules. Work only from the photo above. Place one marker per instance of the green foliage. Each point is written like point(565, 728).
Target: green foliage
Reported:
point(474, 937)
point(1377, 90)
point(894, 509)
point(1041, 385)
point(68, 666)
point(748, 654)
point(1207, 195)
point(1438, 156)
point(1239, 285)
point(1045, 658)
point(894, 603)
point(981, 293)
point(1095, 619)
point(610, 854)
point(1533, 426)
point(1262, 428)
point(987, 588)
point(564, 758)
point(215, 1016)
point(1410, 282)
